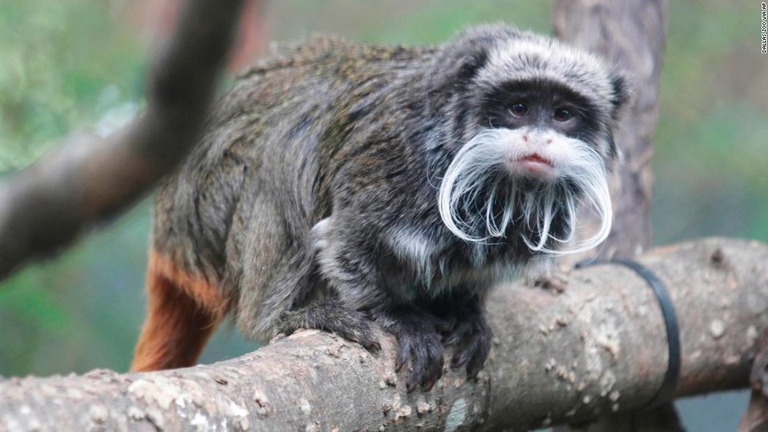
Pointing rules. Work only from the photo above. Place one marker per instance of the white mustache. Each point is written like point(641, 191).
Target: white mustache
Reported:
point(478, 168)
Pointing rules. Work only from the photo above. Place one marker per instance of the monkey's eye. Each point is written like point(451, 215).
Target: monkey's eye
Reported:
point(562, 114)
point(518, 109)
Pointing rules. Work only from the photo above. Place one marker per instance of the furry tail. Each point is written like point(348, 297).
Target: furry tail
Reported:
point(183, 311)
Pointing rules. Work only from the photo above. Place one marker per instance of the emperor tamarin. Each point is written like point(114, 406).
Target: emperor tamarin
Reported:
point(343, 186)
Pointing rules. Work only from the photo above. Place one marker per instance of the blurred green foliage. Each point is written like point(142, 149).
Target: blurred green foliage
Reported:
point(63, 63)
point(711, 163)
point(69, 64)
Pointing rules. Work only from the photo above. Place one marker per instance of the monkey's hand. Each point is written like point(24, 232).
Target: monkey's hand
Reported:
point(420, 343)
point(470, 336)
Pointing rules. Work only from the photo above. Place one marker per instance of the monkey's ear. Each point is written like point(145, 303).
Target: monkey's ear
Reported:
point(456, 64)
point(621, 94)
point(458, 61)
point(470, 64)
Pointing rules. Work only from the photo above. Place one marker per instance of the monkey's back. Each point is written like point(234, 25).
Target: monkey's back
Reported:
point(260, 176)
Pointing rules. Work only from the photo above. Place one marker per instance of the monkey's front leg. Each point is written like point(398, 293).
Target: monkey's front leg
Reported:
point(366, 279)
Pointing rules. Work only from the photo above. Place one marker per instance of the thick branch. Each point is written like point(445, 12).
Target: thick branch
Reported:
point(88, 180)
point(596, 347)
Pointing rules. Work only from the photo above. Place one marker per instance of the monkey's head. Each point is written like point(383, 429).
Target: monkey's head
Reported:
point(531, 126)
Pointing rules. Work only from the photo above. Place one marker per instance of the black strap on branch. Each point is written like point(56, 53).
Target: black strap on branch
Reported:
point(667, 389)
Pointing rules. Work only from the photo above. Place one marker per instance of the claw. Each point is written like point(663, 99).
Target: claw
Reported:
point(420, 346)
point(472, 339)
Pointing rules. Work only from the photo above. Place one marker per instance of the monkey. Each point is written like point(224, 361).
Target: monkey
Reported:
point(351, 187)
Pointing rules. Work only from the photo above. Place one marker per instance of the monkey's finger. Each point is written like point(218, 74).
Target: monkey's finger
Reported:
point(418, 368)
point(427, 362)
point(459, 334)
point(404, 352)
point(477, 361)
point(373, 345)
point(444, 325)
point(434, 364)
point(463, 355)
point(474, 354)
point(361, 332)
point(413, 380)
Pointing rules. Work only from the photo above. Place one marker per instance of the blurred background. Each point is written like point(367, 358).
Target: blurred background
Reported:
point(76, 64)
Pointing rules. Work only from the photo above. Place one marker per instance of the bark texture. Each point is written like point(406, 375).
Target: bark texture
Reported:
point(592, 343)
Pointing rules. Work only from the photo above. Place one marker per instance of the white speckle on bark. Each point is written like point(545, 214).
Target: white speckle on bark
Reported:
point(717, 329)
point(422, 407)
point(243, 424)
point(642, 311)
point(10, 422)
point(181, 402)
point(593, 363)
point(98, 413)
point(305, 407)
point(135, 413)
point(160, 391)
point(200, 421)
point(550, 364)
point(48, 390)
point(390, 378)
point(614, 396)
point(236, 410)
point(156, 417)
point(607, 382)
point(404, 412)
point(607, 336)
point(74, 394)
point(456, 416)
point(751, 335)
point(263, 406)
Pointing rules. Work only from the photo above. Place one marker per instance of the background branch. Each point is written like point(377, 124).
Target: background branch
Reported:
point(87, 180)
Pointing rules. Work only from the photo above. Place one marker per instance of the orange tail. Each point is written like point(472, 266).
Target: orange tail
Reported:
point(183, 312)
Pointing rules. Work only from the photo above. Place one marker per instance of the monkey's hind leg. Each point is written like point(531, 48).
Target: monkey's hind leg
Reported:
point(331, 316)
point(183, 312)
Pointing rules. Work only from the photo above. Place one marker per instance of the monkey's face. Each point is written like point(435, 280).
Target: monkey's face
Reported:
point(533, 127)
point(542, 119)
point(537, 157)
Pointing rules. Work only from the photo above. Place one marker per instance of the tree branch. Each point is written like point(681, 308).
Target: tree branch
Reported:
point(597, 347)
point(44, 207)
